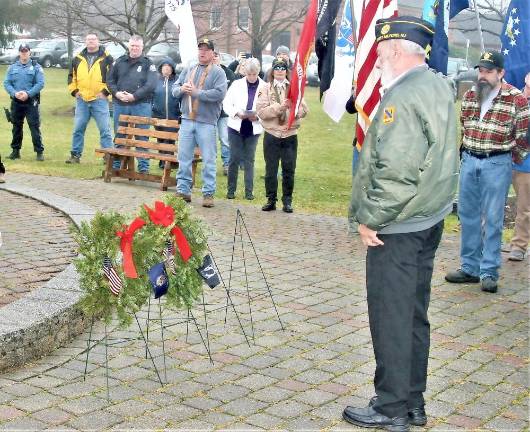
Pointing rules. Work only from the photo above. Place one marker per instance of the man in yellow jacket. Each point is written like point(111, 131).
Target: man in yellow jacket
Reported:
point(87, 83)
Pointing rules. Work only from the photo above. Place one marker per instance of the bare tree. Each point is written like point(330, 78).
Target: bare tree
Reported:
point(489, 10)
point(268, 18)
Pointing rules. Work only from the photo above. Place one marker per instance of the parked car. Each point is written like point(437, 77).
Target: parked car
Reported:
point(48, 53)
point(64, 61)
point(226, 58)
point(163, 50)
point(115, 49)
point(9, 55)
point(456, 65)
point(312, 71)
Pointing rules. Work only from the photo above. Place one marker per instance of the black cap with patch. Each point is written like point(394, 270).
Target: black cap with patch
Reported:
point(206, 42)
point(405, 27)
point(491, 60)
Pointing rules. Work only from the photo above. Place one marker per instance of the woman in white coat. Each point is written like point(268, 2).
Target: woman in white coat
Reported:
point(244, 128)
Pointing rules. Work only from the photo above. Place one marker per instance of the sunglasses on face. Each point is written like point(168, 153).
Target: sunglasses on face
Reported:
point(281, 68)
point(24, 50)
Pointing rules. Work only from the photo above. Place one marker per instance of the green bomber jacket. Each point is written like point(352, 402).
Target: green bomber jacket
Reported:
point(408, 165)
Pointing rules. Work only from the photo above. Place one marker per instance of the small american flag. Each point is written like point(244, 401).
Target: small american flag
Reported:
point(169, 257)
point(114, 280)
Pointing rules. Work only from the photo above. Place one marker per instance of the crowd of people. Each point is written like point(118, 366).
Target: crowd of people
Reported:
point(404, 179)
point(197, 98)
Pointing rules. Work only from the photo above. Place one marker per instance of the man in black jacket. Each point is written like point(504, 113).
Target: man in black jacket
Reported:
point(132, 82)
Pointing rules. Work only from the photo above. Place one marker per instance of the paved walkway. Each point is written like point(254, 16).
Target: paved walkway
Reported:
point(297, 379)
point(36, 245)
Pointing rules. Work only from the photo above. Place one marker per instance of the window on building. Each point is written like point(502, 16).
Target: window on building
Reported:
point(215, 18)
point(243, 17)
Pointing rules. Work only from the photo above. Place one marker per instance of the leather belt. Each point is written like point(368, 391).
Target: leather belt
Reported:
point(486, 155)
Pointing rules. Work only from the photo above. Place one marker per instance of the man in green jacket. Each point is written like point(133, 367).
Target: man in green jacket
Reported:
point(402, 191)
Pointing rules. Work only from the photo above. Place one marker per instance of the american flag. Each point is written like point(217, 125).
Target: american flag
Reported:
point(114, 280)
point(169, 256)
point(366, 76)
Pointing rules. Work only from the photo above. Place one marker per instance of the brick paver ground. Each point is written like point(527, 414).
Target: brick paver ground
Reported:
point(36, 245)
point(297, 379)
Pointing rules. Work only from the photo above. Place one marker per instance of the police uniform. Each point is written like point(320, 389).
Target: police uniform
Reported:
point(403, 188)
point(27, 77)
point(137, 76)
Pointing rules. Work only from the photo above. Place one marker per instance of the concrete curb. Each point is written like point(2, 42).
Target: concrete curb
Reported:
point(46, 318)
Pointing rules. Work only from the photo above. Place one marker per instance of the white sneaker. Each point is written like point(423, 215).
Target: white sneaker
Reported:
point(516, 255)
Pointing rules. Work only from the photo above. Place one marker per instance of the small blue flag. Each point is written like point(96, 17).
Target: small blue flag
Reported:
point(515, 39)
point(439, 54)
point(208, 272)
point(159, 280)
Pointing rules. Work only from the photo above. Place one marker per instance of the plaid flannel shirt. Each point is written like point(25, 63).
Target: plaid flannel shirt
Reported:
point(502, 128)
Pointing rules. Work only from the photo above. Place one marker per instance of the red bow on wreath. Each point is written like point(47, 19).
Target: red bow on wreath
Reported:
point(126, 244)
point(165, 215)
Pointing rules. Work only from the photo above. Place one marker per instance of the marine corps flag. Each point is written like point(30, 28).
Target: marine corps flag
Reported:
point(325, 41)
point(305, 46)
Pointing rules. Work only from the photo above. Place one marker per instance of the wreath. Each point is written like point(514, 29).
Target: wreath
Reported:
point(116, 258)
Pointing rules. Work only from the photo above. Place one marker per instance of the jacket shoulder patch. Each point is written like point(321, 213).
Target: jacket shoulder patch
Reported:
point(389, 114)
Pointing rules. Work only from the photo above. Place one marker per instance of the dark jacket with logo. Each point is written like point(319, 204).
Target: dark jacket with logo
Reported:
point(136, 76)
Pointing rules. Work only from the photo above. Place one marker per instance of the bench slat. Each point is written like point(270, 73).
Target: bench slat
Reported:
point(146, 144)
point(126, 130)
point(137, 154)
point(149, 120)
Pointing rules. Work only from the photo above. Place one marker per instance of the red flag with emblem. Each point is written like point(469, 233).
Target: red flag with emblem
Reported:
point(298, 73)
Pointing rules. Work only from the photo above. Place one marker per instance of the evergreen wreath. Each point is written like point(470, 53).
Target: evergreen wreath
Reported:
point(98, 239)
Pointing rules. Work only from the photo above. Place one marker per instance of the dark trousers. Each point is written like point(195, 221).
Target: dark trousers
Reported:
point(2, 168)
point(398, 284)
point(29, 111)
point(242, 152)
point(274, 151)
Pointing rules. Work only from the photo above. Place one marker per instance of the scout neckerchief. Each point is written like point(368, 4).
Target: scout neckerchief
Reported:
point(283, 85)
point(195, 105)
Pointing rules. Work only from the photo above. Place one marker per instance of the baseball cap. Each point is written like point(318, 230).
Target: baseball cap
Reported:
point(23, 47)
point(206, 42)
point(491, 60)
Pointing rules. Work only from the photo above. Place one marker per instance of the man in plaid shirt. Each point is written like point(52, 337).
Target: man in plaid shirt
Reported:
point(495, 117)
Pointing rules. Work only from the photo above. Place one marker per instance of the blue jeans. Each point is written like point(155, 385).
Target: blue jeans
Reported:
point(193, 134)
point(99, 109)
point(142, 109)
point(222, 132)
point(483, 186)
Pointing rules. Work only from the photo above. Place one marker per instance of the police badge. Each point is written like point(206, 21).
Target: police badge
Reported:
point(159, 280)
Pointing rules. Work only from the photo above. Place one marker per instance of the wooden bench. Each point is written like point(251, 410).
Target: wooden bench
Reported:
point(128, 153)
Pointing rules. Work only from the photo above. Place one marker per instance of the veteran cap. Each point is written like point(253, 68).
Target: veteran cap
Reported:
point(405, 27)
point(206, 42)
point(491, 60)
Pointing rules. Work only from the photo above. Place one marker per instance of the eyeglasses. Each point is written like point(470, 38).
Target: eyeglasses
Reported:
point(282, 68)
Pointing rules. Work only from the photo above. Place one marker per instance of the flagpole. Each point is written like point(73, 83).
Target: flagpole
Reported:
point(482, 49)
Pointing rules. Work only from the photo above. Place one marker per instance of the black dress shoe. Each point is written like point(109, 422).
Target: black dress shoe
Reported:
point(369, 418)
point(460, 276)
point(271, 205)
point(15, 154)
point(287, 208)
point(417, 416)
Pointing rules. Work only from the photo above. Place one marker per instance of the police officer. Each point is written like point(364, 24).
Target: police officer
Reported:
point(132, 82)
point(24, 81)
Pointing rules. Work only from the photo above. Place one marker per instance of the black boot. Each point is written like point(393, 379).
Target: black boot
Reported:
point(271, 205)
point(287, 206)
point(15, 154)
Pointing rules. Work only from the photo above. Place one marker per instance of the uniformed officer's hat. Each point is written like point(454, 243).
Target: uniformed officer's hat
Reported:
point(206, 42)
point(405, 27)
point(491, 60)
point(24, 47)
